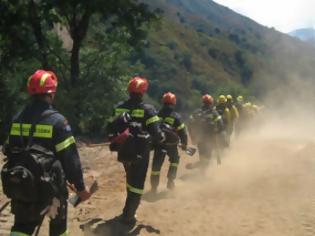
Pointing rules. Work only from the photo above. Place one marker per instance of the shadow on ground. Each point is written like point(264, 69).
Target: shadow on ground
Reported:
point(113, 227)
point(154, 197)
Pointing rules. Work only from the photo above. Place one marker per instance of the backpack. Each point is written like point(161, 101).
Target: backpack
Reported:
point(32, 173)
point(202, 125)
point(171, 136)
point(127, 138)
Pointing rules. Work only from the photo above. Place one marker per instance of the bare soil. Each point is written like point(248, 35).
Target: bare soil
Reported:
point(264, 186)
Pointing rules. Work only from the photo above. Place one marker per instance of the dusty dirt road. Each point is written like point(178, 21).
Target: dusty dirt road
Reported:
point(265, 186)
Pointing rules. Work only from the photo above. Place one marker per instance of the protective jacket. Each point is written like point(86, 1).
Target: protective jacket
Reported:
point(240, 108)
point(233, 111)
point(172, 118)
point(52, 132)
point(225, 113)
point(143, 116)
point(205, 122)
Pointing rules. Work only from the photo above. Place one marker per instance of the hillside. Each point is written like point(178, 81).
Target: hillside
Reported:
point(202, 46)
point(305, 34)
point(196, 47)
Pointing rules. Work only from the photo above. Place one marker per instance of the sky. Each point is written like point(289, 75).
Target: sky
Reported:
point(283, 15)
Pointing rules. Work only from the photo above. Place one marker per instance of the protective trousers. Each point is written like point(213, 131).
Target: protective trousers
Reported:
point(239, 127)
point(158, 159)
point(135, 178)
point(205, 148)
point(25, 224)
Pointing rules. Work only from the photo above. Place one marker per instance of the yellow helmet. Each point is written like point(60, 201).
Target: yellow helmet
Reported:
point(229, 97)
point(248, 105)
point(255, 107)
point(222, 99)
point(240, 98)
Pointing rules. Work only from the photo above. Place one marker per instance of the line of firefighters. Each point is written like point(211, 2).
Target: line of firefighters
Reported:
point(42, 158)
point(136, 128)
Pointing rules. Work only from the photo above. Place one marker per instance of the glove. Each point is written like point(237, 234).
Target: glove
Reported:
point(84, 195)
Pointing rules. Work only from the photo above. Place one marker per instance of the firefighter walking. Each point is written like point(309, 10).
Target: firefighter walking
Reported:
point(240, 122)
point(234, 115)
point(39, 127)
point(143, 126)
point(174, 128)
point(225, 113)
point(206, 126)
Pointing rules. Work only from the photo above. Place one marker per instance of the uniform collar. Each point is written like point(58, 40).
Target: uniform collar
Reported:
point(40, 104)
point(206, 107)
point(168, 108)
point(135, 100)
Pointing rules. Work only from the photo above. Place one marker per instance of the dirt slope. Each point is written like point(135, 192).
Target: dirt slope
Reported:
point(263, 187)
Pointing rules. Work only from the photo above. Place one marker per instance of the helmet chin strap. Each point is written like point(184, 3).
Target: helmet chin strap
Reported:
point(51, 98)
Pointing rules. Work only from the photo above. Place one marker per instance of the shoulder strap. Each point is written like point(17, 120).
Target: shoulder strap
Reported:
point(20, 116)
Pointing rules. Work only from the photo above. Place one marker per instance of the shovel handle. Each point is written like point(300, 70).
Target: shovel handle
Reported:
point(4, 206)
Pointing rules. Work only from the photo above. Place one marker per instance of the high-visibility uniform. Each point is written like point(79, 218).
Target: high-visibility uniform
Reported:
point(144, 116)
point(234, 117)
point(224, 111)
point(240, 121)
point(206, 124)
point(249, 113)
point(54, 133)
point(168, 116)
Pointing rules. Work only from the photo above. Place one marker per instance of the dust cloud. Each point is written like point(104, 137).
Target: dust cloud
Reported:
point(264, 185)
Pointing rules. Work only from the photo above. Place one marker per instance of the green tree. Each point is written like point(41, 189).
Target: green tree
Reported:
point(98, 57)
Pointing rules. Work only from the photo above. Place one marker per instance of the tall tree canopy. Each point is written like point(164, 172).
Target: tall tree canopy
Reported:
point(87, 43)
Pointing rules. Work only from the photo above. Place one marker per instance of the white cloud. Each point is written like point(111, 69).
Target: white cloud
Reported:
point(283, 15)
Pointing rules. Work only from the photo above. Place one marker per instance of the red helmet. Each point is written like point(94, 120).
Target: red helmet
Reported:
point(138, 85)
point(42, 82)
point(169, 98)
point(207, 99)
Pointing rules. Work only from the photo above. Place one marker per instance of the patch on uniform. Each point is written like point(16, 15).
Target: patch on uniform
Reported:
point(66, 126)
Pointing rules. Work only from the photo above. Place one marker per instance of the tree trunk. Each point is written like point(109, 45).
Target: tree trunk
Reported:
point(78, 29)
point(75, 61)
point(38, 33)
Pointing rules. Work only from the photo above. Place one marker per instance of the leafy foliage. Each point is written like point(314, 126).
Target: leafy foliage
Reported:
point(195, 47)
point(87, 43)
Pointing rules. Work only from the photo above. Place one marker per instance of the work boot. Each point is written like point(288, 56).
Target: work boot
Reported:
point(170, 184)
point(128, 220)
point(129, 212)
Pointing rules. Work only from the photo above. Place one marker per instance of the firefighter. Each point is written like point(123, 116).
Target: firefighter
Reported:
point(224, 111)
point(206, 125)
point(255, 109)
point(174, 127)
point(144, 122)
point(240, 122)
point(250, 112)
point(53, 133)
point(239, 103)
point(234, 114)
